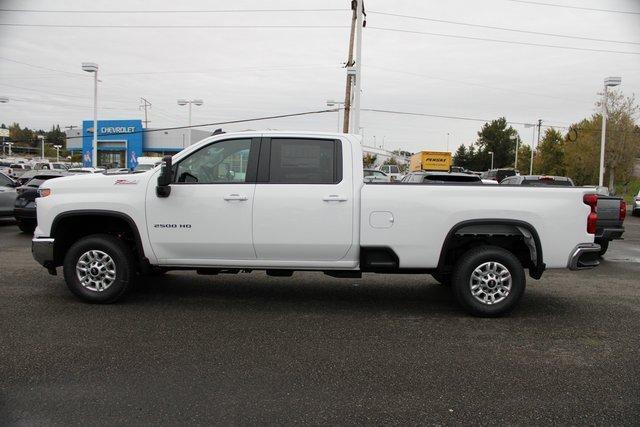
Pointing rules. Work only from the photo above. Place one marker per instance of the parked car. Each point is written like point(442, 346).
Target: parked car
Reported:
point(17, 169)
point(392, 171)
point(636, 205)
point(538, 180)
point(498, 174)
point(416, 177)
point(28, 175)
point(301, 205)
point(611, 210)
point(7, 194)
point(25, 202)
point(374, 175)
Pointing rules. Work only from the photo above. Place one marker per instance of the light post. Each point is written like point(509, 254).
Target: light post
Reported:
point(608, 82)
point(57, 147)
point(332, 103)
point(491, 152)
point(41, 138)
point(4, 100)
point(517, 140)
point(92, 67)
point(447, 141)
point(533, 137)
point(183, 102)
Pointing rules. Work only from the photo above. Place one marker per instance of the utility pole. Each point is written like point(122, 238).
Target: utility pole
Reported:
point(350, 69)
point(357, 87)
point(144, 104)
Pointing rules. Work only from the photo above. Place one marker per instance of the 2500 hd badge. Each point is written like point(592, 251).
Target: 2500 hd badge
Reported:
point(171, 225)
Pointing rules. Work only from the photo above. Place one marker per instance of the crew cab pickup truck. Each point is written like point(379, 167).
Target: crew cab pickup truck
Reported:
point(284, 202)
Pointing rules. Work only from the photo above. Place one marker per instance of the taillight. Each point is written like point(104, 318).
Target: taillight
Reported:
point(623, 210)
point(592, 201)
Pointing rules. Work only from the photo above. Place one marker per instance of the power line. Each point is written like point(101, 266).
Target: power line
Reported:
point(391, 70)
point(39, 66)
point(515, 30)
point(501, 41)
point(171, 11)
point(476, 119)
point(173, 26)
point(66, 95)
point(593, 9)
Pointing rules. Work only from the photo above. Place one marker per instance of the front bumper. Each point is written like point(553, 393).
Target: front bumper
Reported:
point(25, 213)
point(42, 251)
point(584, 256)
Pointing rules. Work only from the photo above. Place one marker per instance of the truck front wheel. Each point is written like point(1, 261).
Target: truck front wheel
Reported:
point(98, 268)
point(488, 281)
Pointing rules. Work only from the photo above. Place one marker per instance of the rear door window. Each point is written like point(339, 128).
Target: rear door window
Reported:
point(305, 161)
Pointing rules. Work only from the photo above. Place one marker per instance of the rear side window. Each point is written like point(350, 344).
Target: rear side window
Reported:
point(305, 161)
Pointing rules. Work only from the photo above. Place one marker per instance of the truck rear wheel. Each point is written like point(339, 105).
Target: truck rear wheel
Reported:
point(488, 281)
point(98, 268)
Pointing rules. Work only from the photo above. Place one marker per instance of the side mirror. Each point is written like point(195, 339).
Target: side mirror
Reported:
point(163, 189)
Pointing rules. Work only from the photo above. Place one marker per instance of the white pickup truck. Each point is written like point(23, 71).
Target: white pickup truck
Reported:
point(290, 201)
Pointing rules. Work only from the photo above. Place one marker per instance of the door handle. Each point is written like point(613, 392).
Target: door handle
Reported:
point(234, 196)
point(334, 198)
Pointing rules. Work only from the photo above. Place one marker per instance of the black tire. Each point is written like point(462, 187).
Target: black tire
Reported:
point(443, 278)
point(123, 261)
point(475, 258)
point(26, 227)
point(604, 245)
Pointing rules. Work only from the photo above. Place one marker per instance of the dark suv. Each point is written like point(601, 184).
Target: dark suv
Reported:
point(25, 206)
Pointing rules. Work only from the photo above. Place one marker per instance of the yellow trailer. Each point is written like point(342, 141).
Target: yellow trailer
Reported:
point(430, 161)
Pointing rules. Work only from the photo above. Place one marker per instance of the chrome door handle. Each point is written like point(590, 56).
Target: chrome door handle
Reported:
point(334, 198)
point(234, 196)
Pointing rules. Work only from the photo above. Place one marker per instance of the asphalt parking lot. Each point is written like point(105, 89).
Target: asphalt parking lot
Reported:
point(312, 349)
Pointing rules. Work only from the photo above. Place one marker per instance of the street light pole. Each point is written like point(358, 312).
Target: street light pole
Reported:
point(41, 138)
point(92, 67)
point(608, 82)
point(57, 147)
point(491, 152)
point(183, 102)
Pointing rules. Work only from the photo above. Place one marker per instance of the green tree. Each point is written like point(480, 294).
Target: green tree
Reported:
point(582, 143)
point(549, 156)
point(55, 136)
point(500, 139)
point(369, 160)
point(461, 157)
point(524, 159)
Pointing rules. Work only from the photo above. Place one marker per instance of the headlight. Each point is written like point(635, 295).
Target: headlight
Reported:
point(44, 192)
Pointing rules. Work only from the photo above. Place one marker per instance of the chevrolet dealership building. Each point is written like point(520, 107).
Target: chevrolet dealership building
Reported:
point(121, 142)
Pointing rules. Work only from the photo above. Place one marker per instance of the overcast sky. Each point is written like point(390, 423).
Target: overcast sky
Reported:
point(251, 72)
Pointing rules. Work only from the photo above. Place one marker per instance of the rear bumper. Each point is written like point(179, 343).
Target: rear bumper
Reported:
point(609, 233)
point(584, 256)
point(42, 251)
